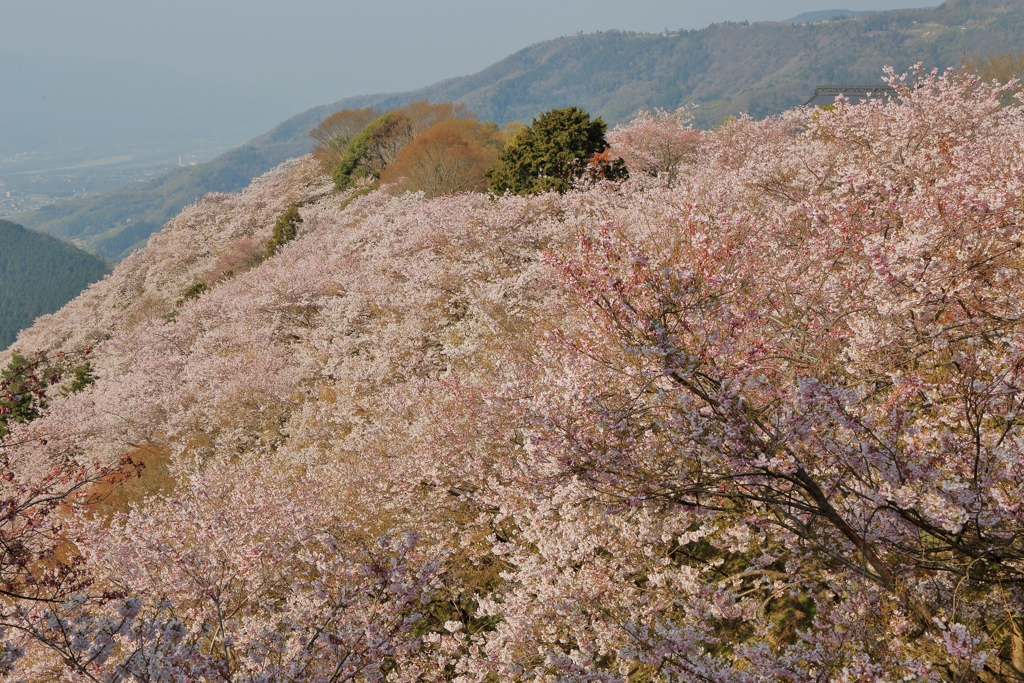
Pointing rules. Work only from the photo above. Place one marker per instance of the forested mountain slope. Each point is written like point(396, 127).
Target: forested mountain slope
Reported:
point(38, 275)
point(754, 418)
point(760, 68)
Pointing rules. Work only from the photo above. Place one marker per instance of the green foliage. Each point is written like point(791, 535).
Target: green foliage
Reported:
point(285, 229)
point(21, 397)
point(356, 195)
point(194, 292)
point(38, 275)
point(83, 377)
point(350, 167)
point(788, 615)
point(549, 154)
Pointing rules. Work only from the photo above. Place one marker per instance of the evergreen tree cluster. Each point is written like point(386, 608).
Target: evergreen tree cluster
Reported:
point(285, 230)
point(556, 149)
point(22, 392)
point(38, 275)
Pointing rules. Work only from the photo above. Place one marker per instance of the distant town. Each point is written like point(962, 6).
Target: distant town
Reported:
point(32, 180)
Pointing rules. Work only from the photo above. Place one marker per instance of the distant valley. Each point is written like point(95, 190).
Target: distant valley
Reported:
point(79, 127)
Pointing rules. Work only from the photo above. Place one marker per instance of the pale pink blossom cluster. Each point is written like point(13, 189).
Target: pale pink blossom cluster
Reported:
point(754, 420)
point(656, 143)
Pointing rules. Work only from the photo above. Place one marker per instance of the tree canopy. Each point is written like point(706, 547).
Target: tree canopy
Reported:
point(378, 143)
point(553, 152)
point(451, 156)
point(336, 131)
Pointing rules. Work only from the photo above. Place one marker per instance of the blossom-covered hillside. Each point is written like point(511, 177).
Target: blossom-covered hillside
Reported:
point(750, 415)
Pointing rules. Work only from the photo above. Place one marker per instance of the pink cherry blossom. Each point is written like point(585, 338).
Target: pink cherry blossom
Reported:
point(752, 415)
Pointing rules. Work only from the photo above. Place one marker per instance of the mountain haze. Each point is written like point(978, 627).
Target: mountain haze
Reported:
point(724, 69)
point(115, 223)
point(824, 15)
point(50, 103)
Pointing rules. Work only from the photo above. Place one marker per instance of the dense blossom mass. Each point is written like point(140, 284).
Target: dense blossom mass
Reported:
point(753, 414)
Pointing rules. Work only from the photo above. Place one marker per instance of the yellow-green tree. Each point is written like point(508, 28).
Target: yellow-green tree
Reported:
point(1001, 68)
point(378, 144)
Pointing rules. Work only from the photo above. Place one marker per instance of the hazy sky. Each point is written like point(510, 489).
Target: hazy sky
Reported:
point(317, 51)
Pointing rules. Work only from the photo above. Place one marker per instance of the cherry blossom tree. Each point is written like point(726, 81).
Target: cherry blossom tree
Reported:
point(794, 403)
point(754, 421)
point(655, 143)
point(41, 482)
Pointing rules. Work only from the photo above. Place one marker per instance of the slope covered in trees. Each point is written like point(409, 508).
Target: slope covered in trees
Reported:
point(38, 275)
point(753, 414)
point(760, 68)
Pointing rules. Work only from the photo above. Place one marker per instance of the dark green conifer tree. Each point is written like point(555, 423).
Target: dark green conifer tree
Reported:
point(285, 230)
point(556, 149)
point(21, 393)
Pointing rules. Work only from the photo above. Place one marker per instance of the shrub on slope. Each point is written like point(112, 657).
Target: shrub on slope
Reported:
point(451, 156)
point(378, 144)
point(754, 422)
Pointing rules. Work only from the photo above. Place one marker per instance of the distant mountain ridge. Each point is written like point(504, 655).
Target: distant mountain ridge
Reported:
point(725, 69)
point(38, 275)
point(824, 15)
